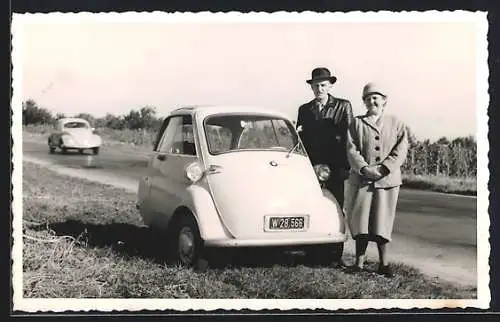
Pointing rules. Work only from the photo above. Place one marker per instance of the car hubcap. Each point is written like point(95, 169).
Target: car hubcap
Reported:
point(186, 245)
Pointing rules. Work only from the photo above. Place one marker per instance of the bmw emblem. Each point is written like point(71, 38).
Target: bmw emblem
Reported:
point(273, 163)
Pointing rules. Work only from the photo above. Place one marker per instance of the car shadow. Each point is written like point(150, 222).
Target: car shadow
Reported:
point(259, 258)
point(125, 239)
point(71, 153)
point(135, 241)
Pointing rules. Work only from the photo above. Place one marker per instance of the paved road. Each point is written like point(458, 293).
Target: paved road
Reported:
point(431, 229)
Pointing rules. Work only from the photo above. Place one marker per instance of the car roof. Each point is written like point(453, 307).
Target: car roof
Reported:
point(207, 110)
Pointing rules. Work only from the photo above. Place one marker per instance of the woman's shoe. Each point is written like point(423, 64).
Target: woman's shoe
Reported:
point(385, 271)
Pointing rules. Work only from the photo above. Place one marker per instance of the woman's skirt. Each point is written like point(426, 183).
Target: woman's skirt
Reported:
point(371, 211)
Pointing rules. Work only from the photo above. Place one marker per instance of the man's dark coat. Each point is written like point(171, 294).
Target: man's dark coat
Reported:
point(324, 135)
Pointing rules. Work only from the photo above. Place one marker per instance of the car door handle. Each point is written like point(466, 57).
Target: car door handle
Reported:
point(213, 169)
point(161, 157)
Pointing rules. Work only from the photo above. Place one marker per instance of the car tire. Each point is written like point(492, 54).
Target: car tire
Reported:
point(325, 254)
point(187, 242)
point(95, 151)
point(51, 149)
point(63, 149)
point(81, 151)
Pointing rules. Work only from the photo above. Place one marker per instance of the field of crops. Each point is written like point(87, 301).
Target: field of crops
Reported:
point(426, 180)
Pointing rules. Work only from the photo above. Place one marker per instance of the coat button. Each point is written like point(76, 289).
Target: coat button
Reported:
point(377, 159)
point(377, 137)
point(377, 148)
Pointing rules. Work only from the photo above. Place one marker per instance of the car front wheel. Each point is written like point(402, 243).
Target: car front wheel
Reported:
point(187, 241)
point(95, 151)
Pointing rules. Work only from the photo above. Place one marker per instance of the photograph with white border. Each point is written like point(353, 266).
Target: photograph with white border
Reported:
point(101, 192)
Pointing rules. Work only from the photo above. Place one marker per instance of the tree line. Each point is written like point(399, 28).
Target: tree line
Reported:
point(448, 157)
point(144, 118)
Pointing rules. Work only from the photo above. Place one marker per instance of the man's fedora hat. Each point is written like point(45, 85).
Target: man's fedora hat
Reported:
point(320, 74)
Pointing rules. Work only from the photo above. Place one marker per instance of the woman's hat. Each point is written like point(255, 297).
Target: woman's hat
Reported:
point(320, 74)
point(373, 88)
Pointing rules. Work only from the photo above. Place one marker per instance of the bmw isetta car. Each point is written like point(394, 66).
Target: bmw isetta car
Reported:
point(225, 176)
point(74, 133)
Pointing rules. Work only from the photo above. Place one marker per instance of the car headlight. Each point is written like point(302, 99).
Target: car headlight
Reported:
point(322, 172)
point(194, 171)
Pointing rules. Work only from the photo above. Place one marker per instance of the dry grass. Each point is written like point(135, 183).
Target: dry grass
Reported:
point(85, 240)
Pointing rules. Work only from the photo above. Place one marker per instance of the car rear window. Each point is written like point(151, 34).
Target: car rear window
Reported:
point(75, 125)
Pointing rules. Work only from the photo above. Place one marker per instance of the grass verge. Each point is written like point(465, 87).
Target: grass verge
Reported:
point(463, 186)
point(83, 239)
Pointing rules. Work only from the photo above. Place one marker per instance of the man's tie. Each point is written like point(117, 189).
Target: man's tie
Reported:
point(320, 109)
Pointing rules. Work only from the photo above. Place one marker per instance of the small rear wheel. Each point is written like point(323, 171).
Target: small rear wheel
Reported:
point(95, 150)
point(51, 148)
point(61, 146)
point(81, 151)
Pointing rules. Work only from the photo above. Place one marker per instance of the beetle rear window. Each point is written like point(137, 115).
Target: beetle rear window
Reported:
point(75, 125)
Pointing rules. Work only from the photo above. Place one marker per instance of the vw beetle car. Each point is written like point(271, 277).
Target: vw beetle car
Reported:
point(74, 133)
point(236, 177)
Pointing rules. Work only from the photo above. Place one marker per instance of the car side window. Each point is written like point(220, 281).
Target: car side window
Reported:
point(178, 137)
point(167, 140)
point(160, 136)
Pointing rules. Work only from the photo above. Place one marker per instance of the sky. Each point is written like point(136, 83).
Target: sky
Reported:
point(428, 68)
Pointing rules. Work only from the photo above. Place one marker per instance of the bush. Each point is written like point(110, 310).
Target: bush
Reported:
point(33, 114)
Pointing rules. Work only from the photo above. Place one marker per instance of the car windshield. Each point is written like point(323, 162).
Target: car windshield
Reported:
point(75, 125)
point(229, 133)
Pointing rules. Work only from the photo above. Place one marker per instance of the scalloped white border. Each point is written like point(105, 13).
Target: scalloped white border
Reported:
point(109, 305)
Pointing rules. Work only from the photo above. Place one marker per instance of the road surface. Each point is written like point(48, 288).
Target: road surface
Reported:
point(435, 232)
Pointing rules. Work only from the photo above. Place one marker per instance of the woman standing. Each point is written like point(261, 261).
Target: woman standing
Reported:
point(377, 146)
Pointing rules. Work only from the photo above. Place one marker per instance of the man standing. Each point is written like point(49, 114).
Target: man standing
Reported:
point(323, 124)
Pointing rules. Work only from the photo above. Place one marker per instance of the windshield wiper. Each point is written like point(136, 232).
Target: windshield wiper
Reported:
point(292, 149)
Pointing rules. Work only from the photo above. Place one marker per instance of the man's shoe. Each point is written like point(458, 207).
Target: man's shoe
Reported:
point(385, 271)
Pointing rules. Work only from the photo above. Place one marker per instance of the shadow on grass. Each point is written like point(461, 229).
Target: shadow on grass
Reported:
point(125, 239)
point(134, 241)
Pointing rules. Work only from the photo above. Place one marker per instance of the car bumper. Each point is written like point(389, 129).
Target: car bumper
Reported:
point(80, 146)
point(338, 238)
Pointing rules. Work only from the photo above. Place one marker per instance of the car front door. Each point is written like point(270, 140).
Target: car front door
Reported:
point(174, 151)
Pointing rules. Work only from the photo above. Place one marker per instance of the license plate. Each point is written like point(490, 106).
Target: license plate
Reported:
point(285, 223)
